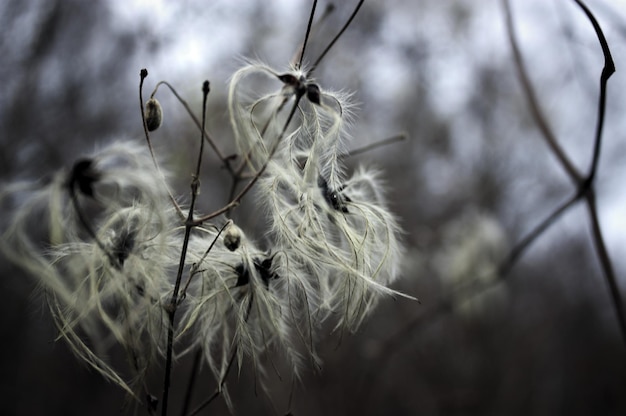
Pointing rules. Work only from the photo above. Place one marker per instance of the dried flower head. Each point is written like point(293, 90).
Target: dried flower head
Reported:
point(106, 266)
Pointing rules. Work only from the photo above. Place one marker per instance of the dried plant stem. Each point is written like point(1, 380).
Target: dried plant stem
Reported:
point(605, 262)
point(607, 71)
point(189, 225)
point(143, 74)
point(239, 171)
point(525, 242)
point(225, 159)
point(384, 142)
point(218, 390)
point(298, 56)
point(231, 360)
point(234, 202)
point(343, 29)
point(533, 102)
point(306, 36)
point(196, 267)
point(195, 366)
point(171, 312)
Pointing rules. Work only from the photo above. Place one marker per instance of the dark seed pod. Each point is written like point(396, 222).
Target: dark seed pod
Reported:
point(289, 79)
point(84, 175)
point(153, 114)
point(313, 94)
point(264, 267)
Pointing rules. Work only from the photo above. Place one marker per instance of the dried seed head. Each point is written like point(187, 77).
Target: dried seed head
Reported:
point(232, 237)
point(153, 114)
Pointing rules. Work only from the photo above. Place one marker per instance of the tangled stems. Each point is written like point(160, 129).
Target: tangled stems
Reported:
point(120, 245)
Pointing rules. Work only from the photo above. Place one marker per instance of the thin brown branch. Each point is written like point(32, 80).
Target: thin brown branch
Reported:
point(220, 386)
point(598, 239)
point(189, 225)
point(336, 38)
point(195, 368)
point(225, 159)
point(533, 102)
point(605, 262)
point(525, 242)
point(607, 71)
point(306, 36)
point(384, 142)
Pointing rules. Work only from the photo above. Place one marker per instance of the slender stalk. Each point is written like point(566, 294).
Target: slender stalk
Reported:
point(196, 267)
point(189, 225)
point(525, 242)
point(533, 102)
point(336, 38)
point(218, 390)
point(607, 71)
point(384, 142)
point(598, 239)
point(225, 159)
point(306, 36)
point(605, 262)
point(195, 365)
point(231, 360)
point(143, 74)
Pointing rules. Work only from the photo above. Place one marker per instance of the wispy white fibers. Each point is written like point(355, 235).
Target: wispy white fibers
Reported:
point(235, 306)
point(110, 250)
point(255, 115)
point(338, 235)
point(100, 239)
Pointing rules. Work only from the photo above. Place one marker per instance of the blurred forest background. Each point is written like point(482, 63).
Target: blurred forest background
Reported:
point(472, 179)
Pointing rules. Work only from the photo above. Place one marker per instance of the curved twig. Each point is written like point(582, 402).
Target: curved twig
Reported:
point(143, 74)
point(533, 102)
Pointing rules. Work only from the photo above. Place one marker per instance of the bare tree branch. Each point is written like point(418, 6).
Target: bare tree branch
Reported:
point(533, 102)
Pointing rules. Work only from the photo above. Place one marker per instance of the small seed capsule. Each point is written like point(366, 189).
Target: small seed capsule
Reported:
point(232, 237)
point(153, 114)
